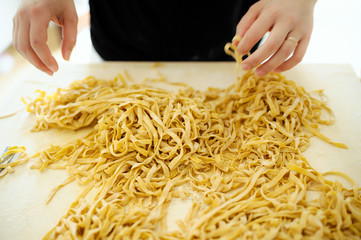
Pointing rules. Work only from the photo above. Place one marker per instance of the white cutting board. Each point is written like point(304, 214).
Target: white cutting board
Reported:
point(23, 213)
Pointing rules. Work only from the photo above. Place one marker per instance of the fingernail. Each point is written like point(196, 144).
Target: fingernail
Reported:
point(53, 68)
point(67, 55)
point(236, 39)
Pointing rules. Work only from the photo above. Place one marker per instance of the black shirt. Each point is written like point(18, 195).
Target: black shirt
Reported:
point(181, 30)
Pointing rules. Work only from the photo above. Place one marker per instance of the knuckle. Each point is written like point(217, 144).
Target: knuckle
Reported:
point(73, 19)
point(273, 13)
point(22, 13)
point(302, 29)
point(37, 10)
point(250, 37)
point(291, 20)
point(35, 42)
point(287, 50)
point(71, 16)
point(272, 46)
point(241, 49)
point(297, 59)
point(252, 61)
point(255, 7)
point(307, 35)
point(22, 48)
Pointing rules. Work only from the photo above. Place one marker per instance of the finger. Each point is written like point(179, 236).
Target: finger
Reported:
point(38, 38)
point(15, 32)
point(23, 46)
point(278, 58)
point(253, 35)
point(296, 58)
point(272, 44)
point(69, 34)
point(247, 20)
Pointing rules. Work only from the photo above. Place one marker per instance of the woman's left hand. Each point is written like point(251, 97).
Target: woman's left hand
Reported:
point(290, 25)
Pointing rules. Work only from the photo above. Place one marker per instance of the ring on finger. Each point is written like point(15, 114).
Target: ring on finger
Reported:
point(293, 40)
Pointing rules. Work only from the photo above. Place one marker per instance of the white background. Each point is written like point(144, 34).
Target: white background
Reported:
point(336, 37)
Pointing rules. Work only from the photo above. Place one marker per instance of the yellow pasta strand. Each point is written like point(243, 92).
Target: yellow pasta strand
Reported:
point(236, 153)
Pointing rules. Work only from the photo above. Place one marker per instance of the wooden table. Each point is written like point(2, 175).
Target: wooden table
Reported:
point(24, 214)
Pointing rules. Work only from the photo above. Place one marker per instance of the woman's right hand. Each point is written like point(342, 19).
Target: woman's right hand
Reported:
point(30, 31)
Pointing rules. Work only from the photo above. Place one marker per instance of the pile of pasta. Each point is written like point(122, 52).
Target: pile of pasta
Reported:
point(236, 153)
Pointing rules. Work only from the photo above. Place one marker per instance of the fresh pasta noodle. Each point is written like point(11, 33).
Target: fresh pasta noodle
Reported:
point(8, 167)
point(236, 153)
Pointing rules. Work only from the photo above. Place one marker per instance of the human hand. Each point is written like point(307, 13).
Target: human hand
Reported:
point(290, 25)
point(30, 25)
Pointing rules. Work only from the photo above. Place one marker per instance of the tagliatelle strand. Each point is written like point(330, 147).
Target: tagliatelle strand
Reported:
point(235, 153)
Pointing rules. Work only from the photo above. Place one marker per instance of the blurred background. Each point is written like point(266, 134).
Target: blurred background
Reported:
point(336, 36)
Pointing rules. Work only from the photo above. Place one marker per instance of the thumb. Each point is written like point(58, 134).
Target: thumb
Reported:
point(70, 26)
